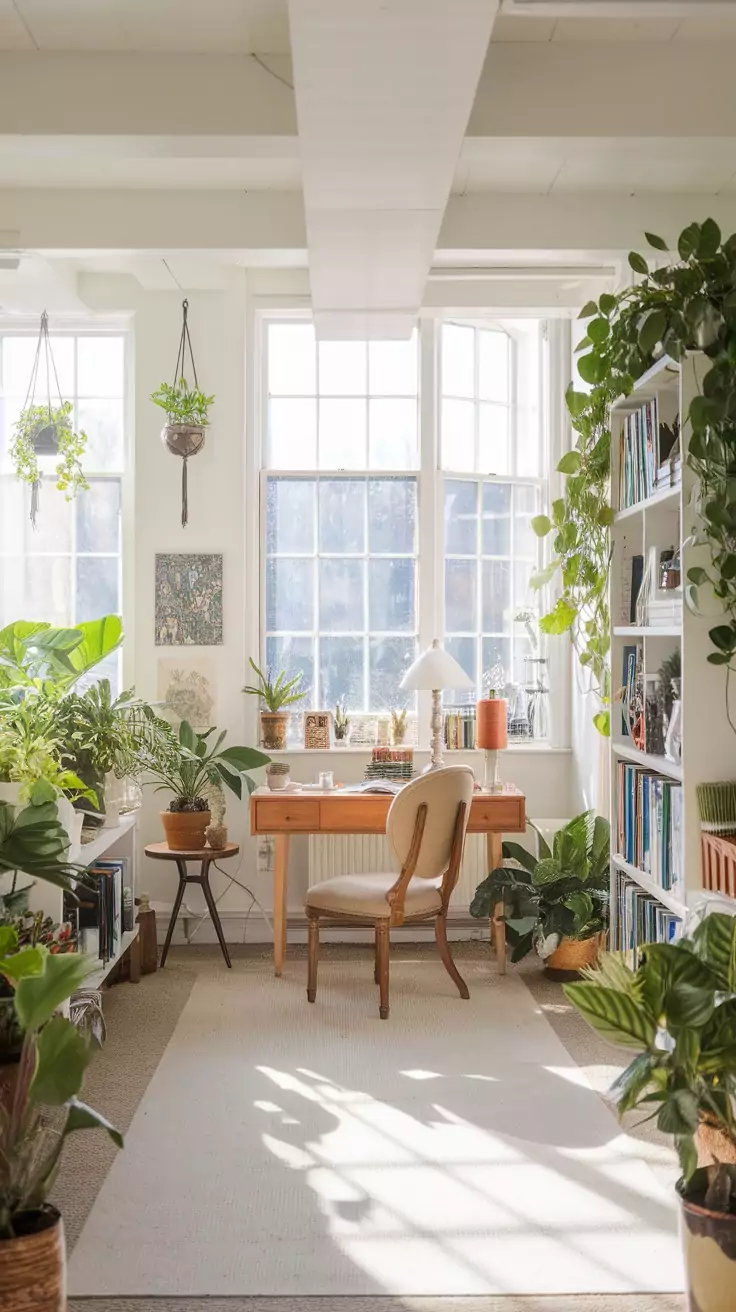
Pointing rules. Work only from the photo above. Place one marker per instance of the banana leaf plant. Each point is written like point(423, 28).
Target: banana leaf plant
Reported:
point(33, 841)
point(561, 893)
point(44, 1107)
point(188, 765)
point(677, 1012)
point(35, 655)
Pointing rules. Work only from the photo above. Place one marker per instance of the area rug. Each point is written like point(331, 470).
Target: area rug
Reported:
point(455, 1149)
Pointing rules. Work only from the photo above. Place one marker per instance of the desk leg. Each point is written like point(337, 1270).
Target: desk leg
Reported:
point(280, 895)
point(498, 926)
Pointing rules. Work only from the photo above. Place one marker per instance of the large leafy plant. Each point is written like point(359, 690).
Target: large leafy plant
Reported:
point(70, 442)
point(44, 1106)
point(562, 893)
point(678, 1013)
point(32, 752)
point(276, 692)
point(33, 841)
point(35, 655)
point(188, 766)
point(183, 404)
point(112, 732)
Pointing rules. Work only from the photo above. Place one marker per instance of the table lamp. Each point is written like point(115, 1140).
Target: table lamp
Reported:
point(492, 736)
point(434, 670)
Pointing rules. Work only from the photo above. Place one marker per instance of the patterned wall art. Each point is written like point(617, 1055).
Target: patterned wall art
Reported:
point(188, 600)
point(187, 691)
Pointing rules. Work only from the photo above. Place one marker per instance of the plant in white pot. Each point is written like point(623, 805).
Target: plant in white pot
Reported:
point(187, 765)
point(677, 1013)
point(276, 694)
point(39, 1108)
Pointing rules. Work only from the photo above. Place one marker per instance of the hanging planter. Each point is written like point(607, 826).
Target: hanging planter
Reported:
point(186, 411)
point(47, 430)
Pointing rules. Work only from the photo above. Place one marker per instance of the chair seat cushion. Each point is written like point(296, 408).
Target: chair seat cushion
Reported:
point(365, 895)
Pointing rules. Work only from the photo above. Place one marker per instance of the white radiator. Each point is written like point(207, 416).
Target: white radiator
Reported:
point(346, 854)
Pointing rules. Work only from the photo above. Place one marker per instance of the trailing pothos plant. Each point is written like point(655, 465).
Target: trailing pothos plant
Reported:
point(688, 304)
point(70, 444)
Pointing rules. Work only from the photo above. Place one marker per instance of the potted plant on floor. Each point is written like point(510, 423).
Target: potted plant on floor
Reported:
point(677, 1012)
point(276, 694)
point(42, 1109)
point(187, 765)
point(556, 902)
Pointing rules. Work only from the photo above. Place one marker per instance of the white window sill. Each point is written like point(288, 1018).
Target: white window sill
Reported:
point(523, 749)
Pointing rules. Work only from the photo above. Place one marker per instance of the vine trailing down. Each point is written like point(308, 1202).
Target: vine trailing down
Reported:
point(688, 304)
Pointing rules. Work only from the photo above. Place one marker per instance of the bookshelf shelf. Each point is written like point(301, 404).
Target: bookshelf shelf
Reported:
point(667, 899)
point(653, 802)
point(648, 631)
point(671, 769)
point(666, 496)
point(87, 853)
point(103, 968)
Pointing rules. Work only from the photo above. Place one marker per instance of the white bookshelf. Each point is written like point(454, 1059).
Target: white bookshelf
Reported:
point(110, 842)
point(667, 519)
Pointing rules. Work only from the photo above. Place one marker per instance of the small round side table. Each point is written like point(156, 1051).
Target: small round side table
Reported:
point(162, 852)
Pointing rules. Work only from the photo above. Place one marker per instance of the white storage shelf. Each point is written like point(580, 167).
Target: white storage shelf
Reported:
point(115, 841)
point(667, 518)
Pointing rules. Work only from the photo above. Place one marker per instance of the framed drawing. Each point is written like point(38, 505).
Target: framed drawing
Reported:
point(317, 726)
point(188, 600)
point(187, 688)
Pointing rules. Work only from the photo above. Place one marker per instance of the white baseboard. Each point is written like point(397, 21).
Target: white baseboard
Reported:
point(459, 927)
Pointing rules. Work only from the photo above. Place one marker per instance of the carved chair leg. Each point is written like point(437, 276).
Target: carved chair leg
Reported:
point(440, 930)
point(382, 942)
point(375, 961)
point(313, 955)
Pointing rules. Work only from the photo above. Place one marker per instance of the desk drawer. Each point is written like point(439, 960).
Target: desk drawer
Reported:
point(502, 815)
point(279, 815)
point(364, 814)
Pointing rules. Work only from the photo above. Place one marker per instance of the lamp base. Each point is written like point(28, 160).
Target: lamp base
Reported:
point(491, 781)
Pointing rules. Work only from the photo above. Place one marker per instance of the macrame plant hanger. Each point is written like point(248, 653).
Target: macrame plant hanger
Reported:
point(185, 440)
point(46, 440)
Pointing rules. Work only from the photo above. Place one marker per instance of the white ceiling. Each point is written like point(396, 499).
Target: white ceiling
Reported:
point(262, 26)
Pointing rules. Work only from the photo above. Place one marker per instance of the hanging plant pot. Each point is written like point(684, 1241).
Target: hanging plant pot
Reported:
point(187, 412)
point(46, 441)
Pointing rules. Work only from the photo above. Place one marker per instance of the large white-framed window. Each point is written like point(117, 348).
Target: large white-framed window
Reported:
point(70, 567)
point(396, 490)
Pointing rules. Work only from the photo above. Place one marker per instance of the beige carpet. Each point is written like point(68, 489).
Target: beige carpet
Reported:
point(284, 1149)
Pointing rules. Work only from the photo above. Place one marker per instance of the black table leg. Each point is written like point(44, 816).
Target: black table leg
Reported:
point(205, 881)
point(182, 868)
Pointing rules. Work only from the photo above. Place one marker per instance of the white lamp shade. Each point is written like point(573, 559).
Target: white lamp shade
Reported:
point(435, 668)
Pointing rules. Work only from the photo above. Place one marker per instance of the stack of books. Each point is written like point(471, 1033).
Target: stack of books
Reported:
point(460, 728)
point(647, 460)
point(639, 919)
point(650, 825)
point(390, 763)
point(102, 914)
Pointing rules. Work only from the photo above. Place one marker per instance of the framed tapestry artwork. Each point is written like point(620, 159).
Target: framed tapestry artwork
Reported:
point(188, 600)
point(317, 725)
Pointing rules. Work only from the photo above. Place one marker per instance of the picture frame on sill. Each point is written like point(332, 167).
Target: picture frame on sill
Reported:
point(318, 730)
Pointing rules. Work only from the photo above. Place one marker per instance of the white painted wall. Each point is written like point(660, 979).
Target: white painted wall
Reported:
point(218, 522)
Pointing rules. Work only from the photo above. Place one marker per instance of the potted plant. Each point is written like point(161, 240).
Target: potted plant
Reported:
point(46, 430)
point(556, 902)
point(33, 764)
point(276, 694)
point(187, 416)
point(677, 1012)
point(187, 765)
point(398, 727)
point(342, 726)
point(216, 831)
point(35, 655)
point(278, 775)
point(43, 1108)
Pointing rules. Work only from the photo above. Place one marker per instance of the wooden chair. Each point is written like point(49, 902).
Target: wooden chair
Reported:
point(425, 828)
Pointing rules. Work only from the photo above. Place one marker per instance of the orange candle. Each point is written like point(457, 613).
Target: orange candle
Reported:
point(492, 722)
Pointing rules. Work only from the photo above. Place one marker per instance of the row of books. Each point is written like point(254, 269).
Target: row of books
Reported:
point(100, 915)
point(638, 918)
point(650, 825)
point(647, 458)
point(460, 728)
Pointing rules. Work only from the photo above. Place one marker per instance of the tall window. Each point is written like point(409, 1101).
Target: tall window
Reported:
point(379, 532)
point(70, 567)
point(341, 548)
point(491, 452)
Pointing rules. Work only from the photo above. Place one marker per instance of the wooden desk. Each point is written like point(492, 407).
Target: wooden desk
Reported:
point(284, 814)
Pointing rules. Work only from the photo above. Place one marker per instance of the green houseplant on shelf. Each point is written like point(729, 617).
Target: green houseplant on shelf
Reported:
point(39, 1107)
point(276, 693)
point(556, 902)
point(188, 765)
point(677, 1013)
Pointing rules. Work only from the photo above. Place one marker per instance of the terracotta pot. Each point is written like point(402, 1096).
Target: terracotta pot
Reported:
point(713, 1145)
point(274, 726)
point(571, 956)
point(185, 830)
point(709, 1247)
point(33, 1266)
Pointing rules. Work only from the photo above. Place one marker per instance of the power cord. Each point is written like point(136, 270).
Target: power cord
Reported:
point(253, 901)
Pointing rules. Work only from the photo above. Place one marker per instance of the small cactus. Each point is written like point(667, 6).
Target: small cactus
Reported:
point(216, 802)
point(216, 836)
